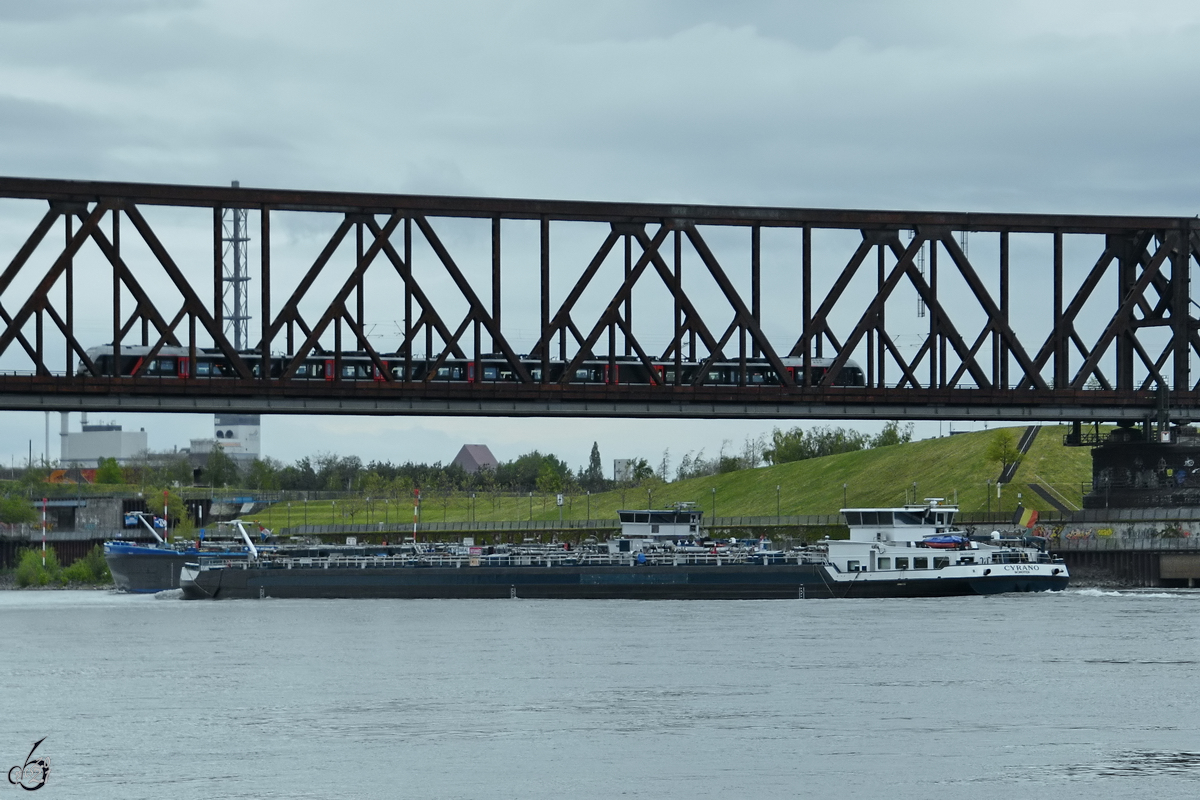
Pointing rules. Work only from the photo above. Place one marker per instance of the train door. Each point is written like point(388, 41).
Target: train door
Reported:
point(329, 375)
point(185, 367)
point(379, 373)
point(470, 372)
point(659, 375)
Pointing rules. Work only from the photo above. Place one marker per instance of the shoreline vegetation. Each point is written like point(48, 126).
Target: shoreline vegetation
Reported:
point(36, 570)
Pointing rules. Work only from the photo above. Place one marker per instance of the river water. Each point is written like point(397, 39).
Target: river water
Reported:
point(1082, 693)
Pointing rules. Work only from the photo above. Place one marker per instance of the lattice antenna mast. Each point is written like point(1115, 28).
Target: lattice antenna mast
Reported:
point(235, 274)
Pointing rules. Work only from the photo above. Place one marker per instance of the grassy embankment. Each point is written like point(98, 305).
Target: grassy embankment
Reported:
point(955, 466)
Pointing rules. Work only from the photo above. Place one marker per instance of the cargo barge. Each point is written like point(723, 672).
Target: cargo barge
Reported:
point(911, 551)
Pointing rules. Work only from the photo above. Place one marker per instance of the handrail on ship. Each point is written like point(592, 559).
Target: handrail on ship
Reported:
point(578, 558)
point(571, 559)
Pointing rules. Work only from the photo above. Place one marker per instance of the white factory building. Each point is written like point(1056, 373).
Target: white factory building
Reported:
point(99, 440)
point(238, 435)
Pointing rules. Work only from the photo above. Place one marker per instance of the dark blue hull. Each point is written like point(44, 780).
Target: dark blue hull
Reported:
point(143, 569)
point(729, 582)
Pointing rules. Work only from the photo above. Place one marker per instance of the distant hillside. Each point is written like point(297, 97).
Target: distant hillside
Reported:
point(951, 467)
point(954, 466)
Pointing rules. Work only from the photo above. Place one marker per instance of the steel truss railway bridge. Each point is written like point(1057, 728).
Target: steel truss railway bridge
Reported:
point(950, 315)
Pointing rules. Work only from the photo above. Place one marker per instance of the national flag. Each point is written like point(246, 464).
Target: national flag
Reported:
point(1025, 517)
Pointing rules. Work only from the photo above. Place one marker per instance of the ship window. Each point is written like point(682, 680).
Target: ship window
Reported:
point(901, 563)
point(920, 563)
point(967, 560)
point(852, 566)
point(853, 518)
point(884, 518)
point(885, 563)
point(940, 561)
point(641, 518)
point(869, 517)
point(654, 529)
point(907, 518)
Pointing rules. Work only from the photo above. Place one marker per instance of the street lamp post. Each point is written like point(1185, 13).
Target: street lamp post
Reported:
point(988, 492)
point(289, 515)
point(778, 516)
point(714, 503)
point(589, 505)
point(845, 488)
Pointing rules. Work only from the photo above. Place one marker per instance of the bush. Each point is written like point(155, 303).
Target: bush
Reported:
point(30, 571)
point(92, 568)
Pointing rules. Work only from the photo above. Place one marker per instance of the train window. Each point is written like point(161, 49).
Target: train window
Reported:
point(490, 373)
point(302, 371)
point(151, 366)
point(167, 366)
point(347, 370)
point(203, 368)
point(443, 372)
point(583, 374)
point(756, 377)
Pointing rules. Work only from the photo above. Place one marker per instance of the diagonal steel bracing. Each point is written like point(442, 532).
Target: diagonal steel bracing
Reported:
point(1091, 320)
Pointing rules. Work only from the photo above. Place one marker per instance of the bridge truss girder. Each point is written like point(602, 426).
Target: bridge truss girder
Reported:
point(982, 364)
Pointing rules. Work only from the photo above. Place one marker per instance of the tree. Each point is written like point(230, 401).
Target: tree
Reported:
point(786, 446)
point(592, 478)
point(549, 481)
point(892, 434)
point(263, 474)
point(109, 471)
point(15, 510)
point(1003, 449)
point(220, 470)
point(641, 471)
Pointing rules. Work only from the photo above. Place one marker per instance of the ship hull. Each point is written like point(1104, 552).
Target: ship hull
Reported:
point(729, 582)
point(144, 570)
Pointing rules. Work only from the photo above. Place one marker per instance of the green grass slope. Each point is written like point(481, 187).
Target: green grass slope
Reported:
point(954, 468)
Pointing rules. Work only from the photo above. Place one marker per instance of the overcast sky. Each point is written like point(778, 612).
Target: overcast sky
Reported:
point(1035, 106)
